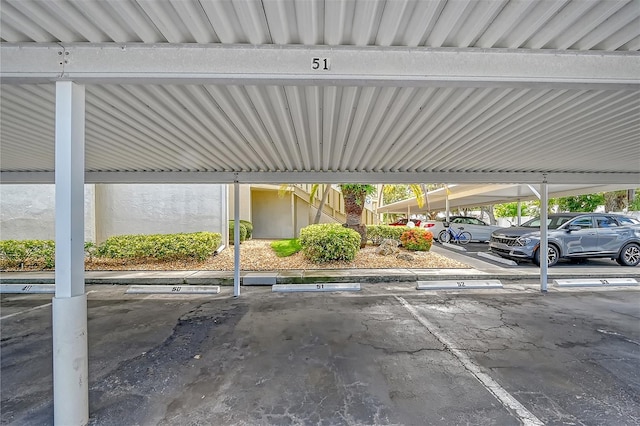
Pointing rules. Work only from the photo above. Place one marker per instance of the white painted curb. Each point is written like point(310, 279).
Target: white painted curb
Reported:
point(323, 287)
point(596, 282)
point(458, 284)
point(173, 289)
point(454, 246)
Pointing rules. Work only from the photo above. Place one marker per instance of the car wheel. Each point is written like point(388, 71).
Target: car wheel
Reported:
point(552, 257)
point(629, 255)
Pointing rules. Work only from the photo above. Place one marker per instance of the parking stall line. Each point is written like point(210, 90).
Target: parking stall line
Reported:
point(34, 308)
point(25, 311)
point(506, 399)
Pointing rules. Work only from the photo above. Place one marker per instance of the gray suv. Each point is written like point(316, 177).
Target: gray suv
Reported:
point(575, 236)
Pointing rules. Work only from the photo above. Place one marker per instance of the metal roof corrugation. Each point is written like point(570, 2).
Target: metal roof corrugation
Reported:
point(331, 128)
point(575, 24)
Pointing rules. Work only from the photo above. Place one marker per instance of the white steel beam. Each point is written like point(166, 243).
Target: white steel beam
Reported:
point(317, 65)
point(535, 192)
point(606, 178)
point(70, 350)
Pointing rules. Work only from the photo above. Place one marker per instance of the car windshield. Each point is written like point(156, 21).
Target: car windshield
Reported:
point(553, 222)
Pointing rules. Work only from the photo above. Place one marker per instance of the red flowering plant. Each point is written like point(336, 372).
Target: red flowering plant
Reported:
point(416, 239)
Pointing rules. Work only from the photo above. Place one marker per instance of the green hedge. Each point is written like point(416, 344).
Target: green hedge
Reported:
point(249, 227)
point(41, 253)
point(328, 241)
point(378, 233)
point(21, 253)
point(243, 232)
point(198, 245)
point(417, 239)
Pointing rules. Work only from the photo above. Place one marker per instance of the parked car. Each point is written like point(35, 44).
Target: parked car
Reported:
point(575, 236)
point(479, 230)
point(405, 222)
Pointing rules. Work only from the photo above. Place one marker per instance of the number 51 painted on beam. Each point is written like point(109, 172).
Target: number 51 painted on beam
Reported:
point(320, 64)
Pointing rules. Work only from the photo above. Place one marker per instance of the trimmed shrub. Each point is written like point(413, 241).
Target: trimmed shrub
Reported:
point(378, 233)
point(197, 245)
point(329, 241)
point(21, 253)
point(243, 232)
point(249, 227)
point(416, 239)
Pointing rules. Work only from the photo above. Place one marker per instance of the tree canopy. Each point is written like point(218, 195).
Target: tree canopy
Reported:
point(511, 209)
point(578, 203)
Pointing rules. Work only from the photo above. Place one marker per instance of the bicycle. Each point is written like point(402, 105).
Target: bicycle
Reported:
point(450, 235)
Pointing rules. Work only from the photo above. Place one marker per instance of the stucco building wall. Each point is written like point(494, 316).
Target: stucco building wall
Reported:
point(305, 215)
point(160, 209)
point(272, 215)
point(27, 212)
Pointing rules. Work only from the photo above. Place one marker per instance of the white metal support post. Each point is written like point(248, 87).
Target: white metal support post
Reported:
point(294, 210)
point(519, 212)
point(446, 203)
point(544, 240)
point(70, 351)
point(236, 238)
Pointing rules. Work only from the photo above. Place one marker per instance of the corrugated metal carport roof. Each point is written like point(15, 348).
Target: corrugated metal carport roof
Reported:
point(470, 195)
point(415, 91)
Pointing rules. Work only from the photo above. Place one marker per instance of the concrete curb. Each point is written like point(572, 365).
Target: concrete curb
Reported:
point(369, 276)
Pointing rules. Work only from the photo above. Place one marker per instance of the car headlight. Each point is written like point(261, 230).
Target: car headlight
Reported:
point(523, 241)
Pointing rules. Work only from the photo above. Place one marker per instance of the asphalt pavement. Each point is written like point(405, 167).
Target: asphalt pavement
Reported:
point(386, 355)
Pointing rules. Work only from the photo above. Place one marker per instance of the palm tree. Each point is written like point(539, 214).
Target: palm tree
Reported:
point(419, 191)
point(399, 192)
point(392, 193)
point(354, 198)
point(354, 195)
